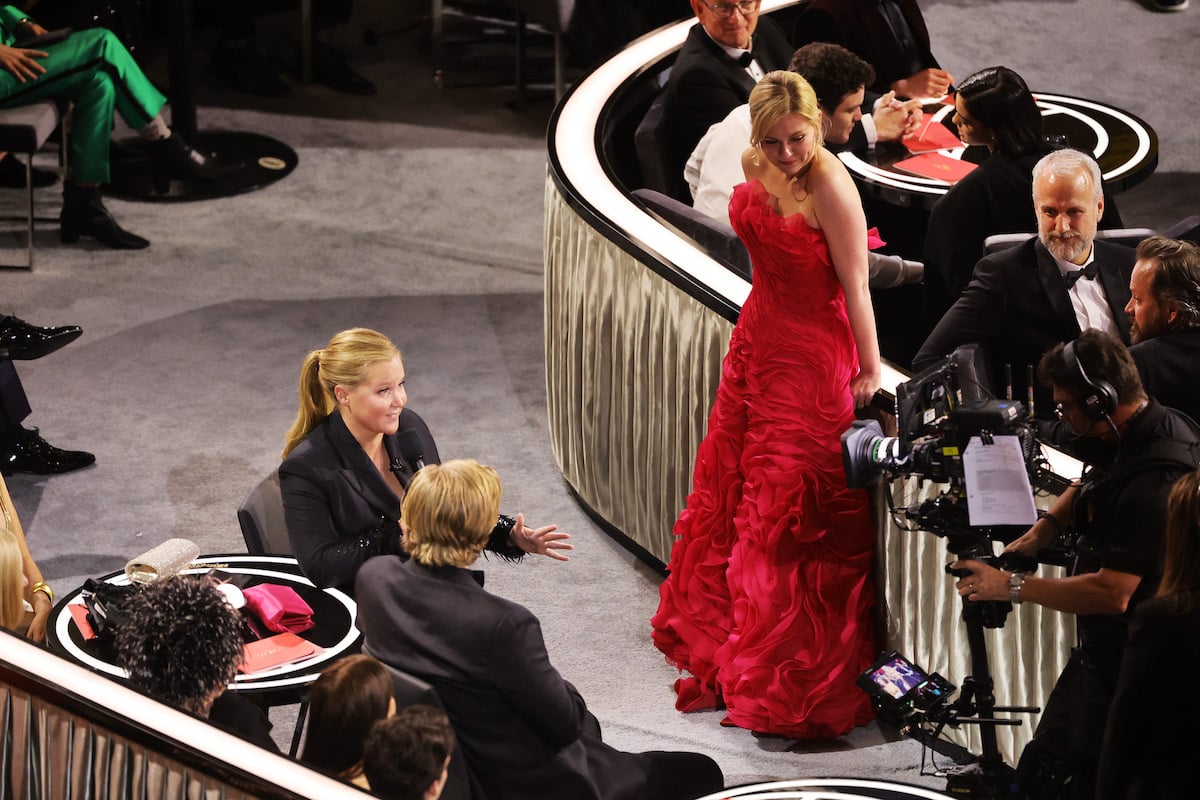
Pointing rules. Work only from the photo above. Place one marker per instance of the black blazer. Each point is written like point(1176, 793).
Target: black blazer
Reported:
point(524, 730)
point(706, 84)
point(1017, 307)
point(337, 507)
point(860, 27)
point(1167, 365)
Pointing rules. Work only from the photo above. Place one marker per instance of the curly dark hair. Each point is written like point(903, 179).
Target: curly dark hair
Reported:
point(180, 640)
point(832, 71)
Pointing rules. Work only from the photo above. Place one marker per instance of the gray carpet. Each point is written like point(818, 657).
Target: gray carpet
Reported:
point(419, 213)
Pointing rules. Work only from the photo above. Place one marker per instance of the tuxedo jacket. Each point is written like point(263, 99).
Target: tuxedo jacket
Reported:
point(1167, 365)
point(1017, 307)
point(336, 505)
point(525, 732)
point(860, 27)
point(706, 84)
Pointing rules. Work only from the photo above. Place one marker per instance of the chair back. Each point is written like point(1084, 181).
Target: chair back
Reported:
point(712, 235)
point(261, 519)
point(410, 691)
point(1188, 229)
point(1129, 237)
point(654, 154)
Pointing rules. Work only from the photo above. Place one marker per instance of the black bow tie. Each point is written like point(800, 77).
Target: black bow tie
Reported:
point(1088, 272)
point(745, 58)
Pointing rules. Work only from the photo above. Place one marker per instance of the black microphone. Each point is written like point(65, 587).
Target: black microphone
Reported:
point(411, 449)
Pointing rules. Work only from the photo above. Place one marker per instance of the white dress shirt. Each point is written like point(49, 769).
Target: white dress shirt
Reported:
point(1088, 298)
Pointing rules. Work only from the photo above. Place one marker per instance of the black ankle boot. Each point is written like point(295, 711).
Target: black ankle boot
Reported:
point(172, 157)
point(83, 214)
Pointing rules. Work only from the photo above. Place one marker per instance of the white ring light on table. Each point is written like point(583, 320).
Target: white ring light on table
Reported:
point(1138, 128)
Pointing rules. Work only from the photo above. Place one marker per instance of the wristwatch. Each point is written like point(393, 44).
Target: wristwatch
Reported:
point(1015, 581)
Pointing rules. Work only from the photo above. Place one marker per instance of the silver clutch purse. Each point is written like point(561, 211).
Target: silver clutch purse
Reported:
point(163, 561)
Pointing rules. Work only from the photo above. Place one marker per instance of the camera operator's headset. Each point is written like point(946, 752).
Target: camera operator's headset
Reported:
point(1100, 398)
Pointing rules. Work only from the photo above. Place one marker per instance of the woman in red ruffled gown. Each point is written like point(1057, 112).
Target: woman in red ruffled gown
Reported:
point(768, 600)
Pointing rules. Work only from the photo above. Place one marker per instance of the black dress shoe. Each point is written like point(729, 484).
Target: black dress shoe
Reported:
point(331, 68)
point(31, 453)
point(12, 174)
point(21, 341)
point(172, 158)
point(84, 214)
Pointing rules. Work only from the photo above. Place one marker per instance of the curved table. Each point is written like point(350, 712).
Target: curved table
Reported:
point(637, 320)
point(333, 611)
point(1124, 145)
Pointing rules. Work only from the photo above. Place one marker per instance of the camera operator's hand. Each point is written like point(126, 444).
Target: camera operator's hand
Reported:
point(982, 582)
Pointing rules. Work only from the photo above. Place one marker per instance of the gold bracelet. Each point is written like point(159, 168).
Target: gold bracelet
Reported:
point(44, 588)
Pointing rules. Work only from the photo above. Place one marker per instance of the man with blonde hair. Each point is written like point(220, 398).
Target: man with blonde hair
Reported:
point(524, 730)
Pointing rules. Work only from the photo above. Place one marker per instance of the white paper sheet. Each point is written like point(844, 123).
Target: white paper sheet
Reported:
point(998, 490)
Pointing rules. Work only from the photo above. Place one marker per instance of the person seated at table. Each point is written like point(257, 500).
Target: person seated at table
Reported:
point(839, 79)
point(344, 704)
point(350, 455)
point(181, 643)
point(94, 71)
point(407, 757)
point(27, 597)
point(1144, 754)
point(889, 34)
point(994, 109)
point(524, 730)
point(726, 52)
point(1024, 300)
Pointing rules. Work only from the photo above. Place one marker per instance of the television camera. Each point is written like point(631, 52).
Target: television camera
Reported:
point(938, 414)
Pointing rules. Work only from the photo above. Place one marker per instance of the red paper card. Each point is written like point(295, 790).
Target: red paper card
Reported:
point(282, 648)
point(936, 166)
point(932, 135)
point(79, 613)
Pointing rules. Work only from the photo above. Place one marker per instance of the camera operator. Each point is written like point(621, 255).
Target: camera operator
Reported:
point(1135, 448)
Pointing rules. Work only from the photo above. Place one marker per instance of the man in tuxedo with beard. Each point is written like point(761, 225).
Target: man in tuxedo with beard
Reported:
point(1023, 301)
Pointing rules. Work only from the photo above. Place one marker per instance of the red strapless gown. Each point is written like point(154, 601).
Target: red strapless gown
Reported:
point(768, 600)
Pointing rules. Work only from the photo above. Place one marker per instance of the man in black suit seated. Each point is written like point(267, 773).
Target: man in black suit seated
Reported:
point(1164, 321)
point(889, 34)
point(1024, 300)
point(524, 730)
point(726, 53)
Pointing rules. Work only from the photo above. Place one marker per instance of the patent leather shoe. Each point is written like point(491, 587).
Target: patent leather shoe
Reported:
point(172, 158)
point(33, 454)
point(21, 341)
point(84, 214)
point(12, 174)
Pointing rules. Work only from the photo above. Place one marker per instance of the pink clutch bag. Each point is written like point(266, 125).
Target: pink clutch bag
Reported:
point(279, 608)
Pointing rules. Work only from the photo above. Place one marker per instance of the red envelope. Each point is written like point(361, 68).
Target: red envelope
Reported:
point(79, 613)
point(936, 165)
point(932, 135)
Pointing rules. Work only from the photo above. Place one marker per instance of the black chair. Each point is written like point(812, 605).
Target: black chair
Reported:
point(713, 236)
point(410, 691)
point(654, 154)
point(1188, 229)
point(261, 519)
